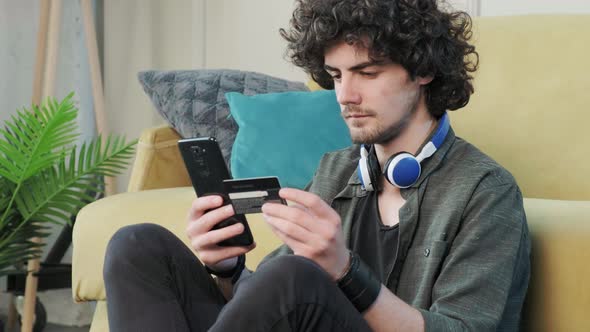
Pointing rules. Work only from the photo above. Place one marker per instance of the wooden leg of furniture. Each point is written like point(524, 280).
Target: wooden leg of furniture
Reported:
point(12, 314)
point(28, 315)
point(96, 80)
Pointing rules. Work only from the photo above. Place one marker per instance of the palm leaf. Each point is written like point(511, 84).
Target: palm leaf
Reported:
point(44, 178)
point(16, 252)
point(29, 143)
point(55, 193)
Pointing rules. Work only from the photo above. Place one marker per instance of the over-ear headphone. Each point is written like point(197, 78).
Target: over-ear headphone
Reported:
point(402, 169)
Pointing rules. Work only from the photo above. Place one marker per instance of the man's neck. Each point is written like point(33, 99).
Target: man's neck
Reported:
point(411, 139)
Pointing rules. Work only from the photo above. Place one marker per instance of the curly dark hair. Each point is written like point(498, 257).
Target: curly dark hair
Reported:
point(417, 34)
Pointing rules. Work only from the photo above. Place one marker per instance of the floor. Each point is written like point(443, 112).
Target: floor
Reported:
point(58, 305)
point(51, 328)
point(48, 327)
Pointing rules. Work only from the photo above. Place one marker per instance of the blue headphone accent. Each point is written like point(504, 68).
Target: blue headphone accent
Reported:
point(402, 169)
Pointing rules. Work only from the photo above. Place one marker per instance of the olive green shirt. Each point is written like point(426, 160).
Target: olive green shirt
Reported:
point(463, 251)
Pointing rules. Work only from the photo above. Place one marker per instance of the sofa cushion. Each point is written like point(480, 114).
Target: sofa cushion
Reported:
point(193, 102)
point(285, 134)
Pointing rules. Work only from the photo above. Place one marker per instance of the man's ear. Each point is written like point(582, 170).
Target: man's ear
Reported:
point(424, 80)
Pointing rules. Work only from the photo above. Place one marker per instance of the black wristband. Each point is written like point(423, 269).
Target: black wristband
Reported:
point(234, 273)
point(359, 284)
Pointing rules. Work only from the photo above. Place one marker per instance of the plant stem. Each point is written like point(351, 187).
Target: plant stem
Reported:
point(5, 215)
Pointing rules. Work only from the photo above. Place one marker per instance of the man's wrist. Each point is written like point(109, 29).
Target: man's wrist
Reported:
point(224, 265)
point(233, 273)
point(347, 268)
point(359, 284)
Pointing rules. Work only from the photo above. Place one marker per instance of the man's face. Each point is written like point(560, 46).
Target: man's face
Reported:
point(377, 98)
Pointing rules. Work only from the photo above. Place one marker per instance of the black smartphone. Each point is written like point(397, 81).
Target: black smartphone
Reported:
point(207, 169)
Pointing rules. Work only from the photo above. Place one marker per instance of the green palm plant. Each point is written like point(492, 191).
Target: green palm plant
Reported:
point(45, 177)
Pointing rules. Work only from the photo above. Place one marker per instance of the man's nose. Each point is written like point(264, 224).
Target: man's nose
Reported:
point(347, 93)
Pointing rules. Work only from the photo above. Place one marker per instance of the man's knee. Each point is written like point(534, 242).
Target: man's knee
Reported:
point(293, 265)
point(291, 271)
point(133, 244)
point(285, 282)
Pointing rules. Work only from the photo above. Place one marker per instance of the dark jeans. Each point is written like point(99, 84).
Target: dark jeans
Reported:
point(155, 283)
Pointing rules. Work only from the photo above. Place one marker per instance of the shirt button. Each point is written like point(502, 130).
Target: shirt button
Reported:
point(426, 252)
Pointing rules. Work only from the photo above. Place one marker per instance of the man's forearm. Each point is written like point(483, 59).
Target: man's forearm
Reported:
point(225, 286)
point(390, 313)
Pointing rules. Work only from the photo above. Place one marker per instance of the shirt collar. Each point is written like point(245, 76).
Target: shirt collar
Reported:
point(354, 188)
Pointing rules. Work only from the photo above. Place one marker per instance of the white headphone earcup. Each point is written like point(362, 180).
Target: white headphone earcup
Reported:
point(363, 170)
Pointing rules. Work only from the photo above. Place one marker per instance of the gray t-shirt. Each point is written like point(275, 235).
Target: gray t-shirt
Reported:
point(374, 242)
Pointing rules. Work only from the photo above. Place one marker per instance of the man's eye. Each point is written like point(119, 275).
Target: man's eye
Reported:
point(368, 74)
point(336, 77)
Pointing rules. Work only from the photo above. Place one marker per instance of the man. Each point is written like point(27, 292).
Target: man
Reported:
point(412, 229)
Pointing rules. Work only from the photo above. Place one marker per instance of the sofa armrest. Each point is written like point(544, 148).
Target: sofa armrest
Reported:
point(557, 299)
point(97, 222)
point(158, 163)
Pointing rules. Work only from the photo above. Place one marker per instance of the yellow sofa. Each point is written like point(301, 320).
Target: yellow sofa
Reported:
point(529, 112)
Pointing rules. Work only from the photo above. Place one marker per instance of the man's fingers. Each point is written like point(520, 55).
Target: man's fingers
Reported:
point(296, 246)
point(215, 236)
point(206, 222)
point(308, 200)
point(202, 204)
point(293, 230)
point(296, 214)
point(212, 257)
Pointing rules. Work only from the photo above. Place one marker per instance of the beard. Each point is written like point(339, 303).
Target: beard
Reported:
point(381, 133)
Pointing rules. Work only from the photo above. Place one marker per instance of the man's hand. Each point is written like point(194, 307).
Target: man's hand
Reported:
point(311, 228)
point(203, 239)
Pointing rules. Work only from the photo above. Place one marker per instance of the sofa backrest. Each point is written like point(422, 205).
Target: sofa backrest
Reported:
point(530, 110)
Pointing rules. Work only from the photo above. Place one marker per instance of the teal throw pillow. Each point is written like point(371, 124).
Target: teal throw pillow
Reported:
point(285, 134)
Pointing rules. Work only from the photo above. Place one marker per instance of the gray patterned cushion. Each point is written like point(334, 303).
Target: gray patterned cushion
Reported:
point(193, 101)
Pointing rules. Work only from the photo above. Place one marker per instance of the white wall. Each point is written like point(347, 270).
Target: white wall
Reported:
point(18, 28)
point(141, 35)
point(19, 22)
point(245, 35)
point(522, 7)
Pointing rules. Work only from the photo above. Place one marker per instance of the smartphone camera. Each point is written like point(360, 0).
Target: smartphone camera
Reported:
point(198, 151)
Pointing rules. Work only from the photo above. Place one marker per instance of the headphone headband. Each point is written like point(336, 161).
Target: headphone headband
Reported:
point(403, 169)
point(437, 139)
point(441, 131)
